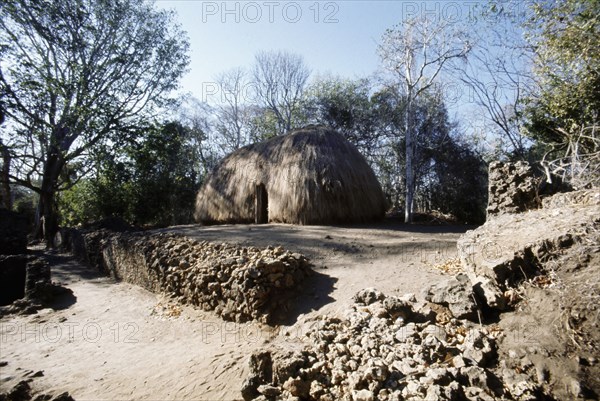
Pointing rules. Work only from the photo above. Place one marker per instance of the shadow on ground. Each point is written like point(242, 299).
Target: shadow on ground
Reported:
point(314, 294)
point(65, 268)
point(388, 237)
point(63, 298)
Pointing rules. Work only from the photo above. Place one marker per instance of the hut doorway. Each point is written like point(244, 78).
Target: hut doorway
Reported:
point(261, 210)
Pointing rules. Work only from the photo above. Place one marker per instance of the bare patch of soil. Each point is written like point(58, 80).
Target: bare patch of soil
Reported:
point(553, 334)
point(118, 341)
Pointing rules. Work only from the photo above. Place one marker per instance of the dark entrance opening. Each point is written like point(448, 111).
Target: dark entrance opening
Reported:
point(261, 208)
point(12, 278)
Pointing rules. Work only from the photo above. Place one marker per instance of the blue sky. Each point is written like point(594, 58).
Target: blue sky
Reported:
point(336, 37)
point(339, 38)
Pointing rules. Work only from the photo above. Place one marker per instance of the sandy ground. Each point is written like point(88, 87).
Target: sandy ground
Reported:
point(115, 341)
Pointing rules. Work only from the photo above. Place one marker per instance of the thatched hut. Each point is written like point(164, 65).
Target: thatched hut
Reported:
point(310, 176)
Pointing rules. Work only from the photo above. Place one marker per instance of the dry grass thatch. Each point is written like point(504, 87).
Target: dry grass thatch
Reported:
point(311, 176)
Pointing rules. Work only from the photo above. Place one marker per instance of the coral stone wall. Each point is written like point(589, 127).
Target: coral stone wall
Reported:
point(13, 233)
point(238, 283)
point(512, 188)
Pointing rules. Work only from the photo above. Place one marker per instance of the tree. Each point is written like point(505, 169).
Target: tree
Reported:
point(344, 105)
point(564, 112)
point(458, 181)
point(416, 52)
point(434, 136)
point(279, 80)
point(151, 180)
point(5, 191)
point(198, 119)
point(164, 179)
point(387, 108)
point(77, 75)
point(432, 128)
point(499, 82)
point(233, 113)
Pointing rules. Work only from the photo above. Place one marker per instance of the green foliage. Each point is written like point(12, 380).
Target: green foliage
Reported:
point(344, 105)
point(24, 203)
point(450, 176)
point(459, 186)
point(77, 76)
point(79, 204)
point(150, 181)
point(166, 182)
point(566, 35)
point(264, 124)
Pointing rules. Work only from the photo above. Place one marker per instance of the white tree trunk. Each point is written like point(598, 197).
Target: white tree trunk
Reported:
point(410, 176)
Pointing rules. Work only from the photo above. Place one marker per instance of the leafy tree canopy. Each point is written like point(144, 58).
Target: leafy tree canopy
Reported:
point(76, 76)
point(565, 35)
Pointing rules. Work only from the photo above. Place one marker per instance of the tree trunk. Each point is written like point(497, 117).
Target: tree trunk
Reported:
point(410, 177)
point(49, 219)
point(4, 177)
point(46, 216)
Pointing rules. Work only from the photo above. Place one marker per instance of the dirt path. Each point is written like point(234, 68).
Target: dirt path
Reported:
point(116, 341)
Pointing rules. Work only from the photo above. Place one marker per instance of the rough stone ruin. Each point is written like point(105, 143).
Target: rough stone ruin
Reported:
point(237, 283)
point(513, 188)
point(25, 283)
point(13, 233)
point(384, 348)
point(519, 323)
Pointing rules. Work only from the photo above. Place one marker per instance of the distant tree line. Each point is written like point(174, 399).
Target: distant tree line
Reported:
point(90, 128)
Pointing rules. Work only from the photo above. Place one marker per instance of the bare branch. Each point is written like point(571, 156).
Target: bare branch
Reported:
point(280, 78)
point(417, 52)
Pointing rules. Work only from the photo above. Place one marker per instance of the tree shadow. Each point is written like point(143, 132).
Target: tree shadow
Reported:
point(394, 224)
point(316, 241)
point(66, 268)
point(63, 298)
point(313, 294)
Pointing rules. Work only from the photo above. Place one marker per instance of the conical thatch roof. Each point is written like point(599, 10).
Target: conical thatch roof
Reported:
point(311, 176)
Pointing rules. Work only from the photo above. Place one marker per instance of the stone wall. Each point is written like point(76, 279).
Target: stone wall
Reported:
point(12, 278)
point(15, 264)
point(26, 285)
point(512, 188)
point(25, 282)
point(87, 245)
point(237, 283)
point(13, 233)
